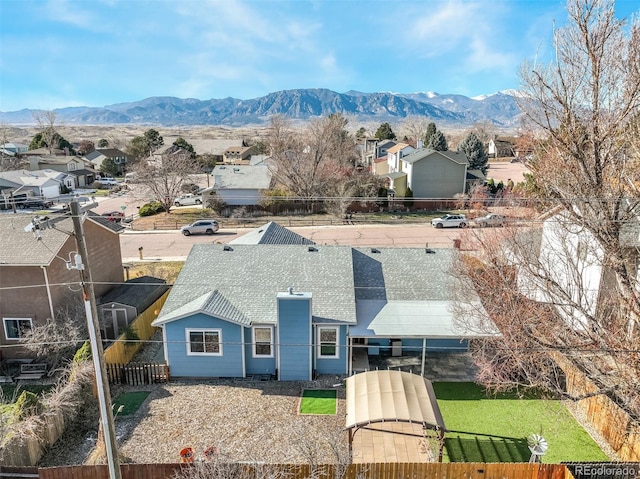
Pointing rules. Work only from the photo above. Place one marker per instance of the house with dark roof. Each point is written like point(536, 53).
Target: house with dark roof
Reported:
point(35, 281)
point(99, 155)
point(294, 311)
point(501, 147)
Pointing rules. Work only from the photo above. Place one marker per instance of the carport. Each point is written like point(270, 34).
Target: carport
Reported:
point(392, 396)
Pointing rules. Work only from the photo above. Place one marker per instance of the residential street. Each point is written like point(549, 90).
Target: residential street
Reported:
point(171, 245)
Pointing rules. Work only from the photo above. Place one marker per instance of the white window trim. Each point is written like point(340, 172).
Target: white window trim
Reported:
point(319, 344)
point(253, 342)
point(188, 332)
point(6, 331)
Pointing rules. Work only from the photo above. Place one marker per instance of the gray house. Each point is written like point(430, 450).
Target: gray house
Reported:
point(431, 174)
point(299, 310)
point(240, 185)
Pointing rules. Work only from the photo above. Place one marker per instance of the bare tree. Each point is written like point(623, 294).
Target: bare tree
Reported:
point(414, 127)
point(164, 177)
point(540, 289)
point(46, 121)
point(306, 160)
point(56, 339)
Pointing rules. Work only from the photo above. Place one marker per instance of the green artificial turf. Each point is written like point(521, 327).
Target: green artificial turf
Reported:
point(130, 401)
point(318, 401)
point(495, 428)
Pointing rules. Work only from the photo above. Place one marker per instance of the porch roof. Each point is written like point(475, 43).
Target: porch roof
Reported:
point(422, 319)
point(386, 395)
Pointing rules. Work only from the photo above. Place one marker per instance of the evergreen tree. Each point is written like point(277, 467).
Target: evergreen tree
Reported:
point(384, 132)
point(431, 130)
point(185, 145)
point(438, 142)
point(473, 148)
point(103, 143)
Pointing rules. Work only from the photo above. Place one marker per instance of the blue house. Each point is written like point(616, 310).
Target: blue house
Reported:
point(296, 310)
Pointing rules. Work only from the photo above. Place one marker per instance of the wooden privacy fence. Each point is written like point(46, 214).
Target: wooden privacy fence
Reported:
point(353, 471)
point(134, 374)
point(616, 426)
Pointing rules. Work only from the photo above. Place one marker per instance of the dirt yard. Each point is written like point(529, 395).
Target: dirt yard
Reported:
point(247, 421)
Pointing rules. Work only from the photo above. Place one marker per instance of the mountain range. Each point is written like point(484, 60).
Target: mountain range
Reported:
point(300, 104)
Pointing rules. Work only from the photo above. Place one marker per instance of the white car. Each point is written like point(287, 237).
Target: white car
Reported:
point(450, 221)
point(200, 227)
point(188, 200)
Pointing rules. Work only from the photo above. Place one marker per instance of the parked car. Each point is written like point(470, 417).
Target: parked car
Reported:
point(492, 219)
point(201, 227)
point(188, 200)
point(34, 203)
point(106, 181)
point(116, 216)
point(450, 221)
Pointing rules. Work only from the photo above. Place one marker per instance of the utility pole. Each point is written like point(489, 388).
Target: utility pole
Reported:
point(97, 352)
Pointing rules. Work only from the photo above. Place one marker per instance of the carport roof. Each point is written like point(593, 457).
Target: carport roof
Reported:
point(379, 396)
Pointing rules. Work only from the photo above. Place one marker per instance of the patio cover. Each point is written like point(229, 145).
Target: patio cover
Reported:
point(378, 396)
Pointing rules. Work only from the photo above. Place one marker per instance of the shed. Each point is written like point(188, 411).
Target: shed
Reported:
point(397, 396)
point(120, 306)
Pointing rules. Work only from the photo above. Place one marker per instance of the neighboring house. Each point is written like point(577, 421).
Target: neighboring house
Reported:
point(380, 166)
point(214, 148)
point(430, 174)
point(239, 185)
point(239, 155)
point(34, 279)
point(99, 155)
point(374, 148)
point(120, 306)
point(501, 148)
point(44, 151)
point(395, 154)
point(79, 170)
point(301, 310)
point(42, 183)
point(169, 151)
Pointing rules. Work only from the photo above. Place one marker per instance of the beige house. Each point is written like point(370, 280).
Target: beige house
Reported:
point(238, 155)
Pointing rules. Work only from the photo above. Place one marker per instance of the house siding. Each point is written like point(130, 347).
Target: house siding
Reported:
point(230, 364)
point(437, 177)
point(258, 365)
point(294, 338)
point(333, 365)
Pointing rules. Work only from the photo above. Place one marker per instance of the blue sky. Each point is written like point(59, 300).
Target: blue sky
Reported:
point(57, 53)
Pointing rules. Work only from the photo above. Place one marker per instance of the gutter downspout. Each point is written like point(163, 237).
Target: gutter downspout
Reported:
point(46, 283)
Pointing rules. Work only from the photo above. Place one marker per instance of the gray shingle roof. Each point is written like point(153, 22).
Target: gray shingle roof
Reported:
point(139, 292)
point(251, 177)
point(402, 274)
point(248, 277)
point(422, 153)
point(271, 233)
point(20, 247)
point(241, 284)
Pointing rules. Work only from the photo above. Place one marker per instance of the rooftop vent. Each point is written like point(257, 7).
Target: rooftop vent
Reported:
point(375, 250)
point(429, 251)
point(227, 248)
point(223, 167)
point(290, 289)
point(312, 249)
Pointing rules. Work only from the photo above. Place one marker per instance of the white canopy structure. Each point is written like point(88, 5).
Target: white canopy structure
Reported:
point(386, 395)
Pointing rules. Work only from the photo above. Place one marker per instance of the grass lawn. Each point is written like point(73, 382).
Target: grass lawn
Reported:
point(318, 401)
point(131, 402)
point(494, 429)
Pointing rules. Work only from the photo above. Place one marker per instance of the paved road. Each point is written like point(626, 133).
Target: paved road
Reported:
point(171, 245)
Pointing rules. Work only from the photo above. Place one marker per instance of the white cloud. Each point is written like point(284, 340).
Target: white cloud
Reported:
point(71, 13)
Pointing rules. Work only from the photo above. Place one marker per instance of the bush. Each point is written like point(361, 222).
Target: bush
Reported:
point(150, 209)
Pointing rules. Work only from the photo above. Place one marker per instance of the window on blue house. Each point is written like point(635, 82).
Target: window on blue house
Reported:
point(328, 341)
point(263, 341)
point(204, 341)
